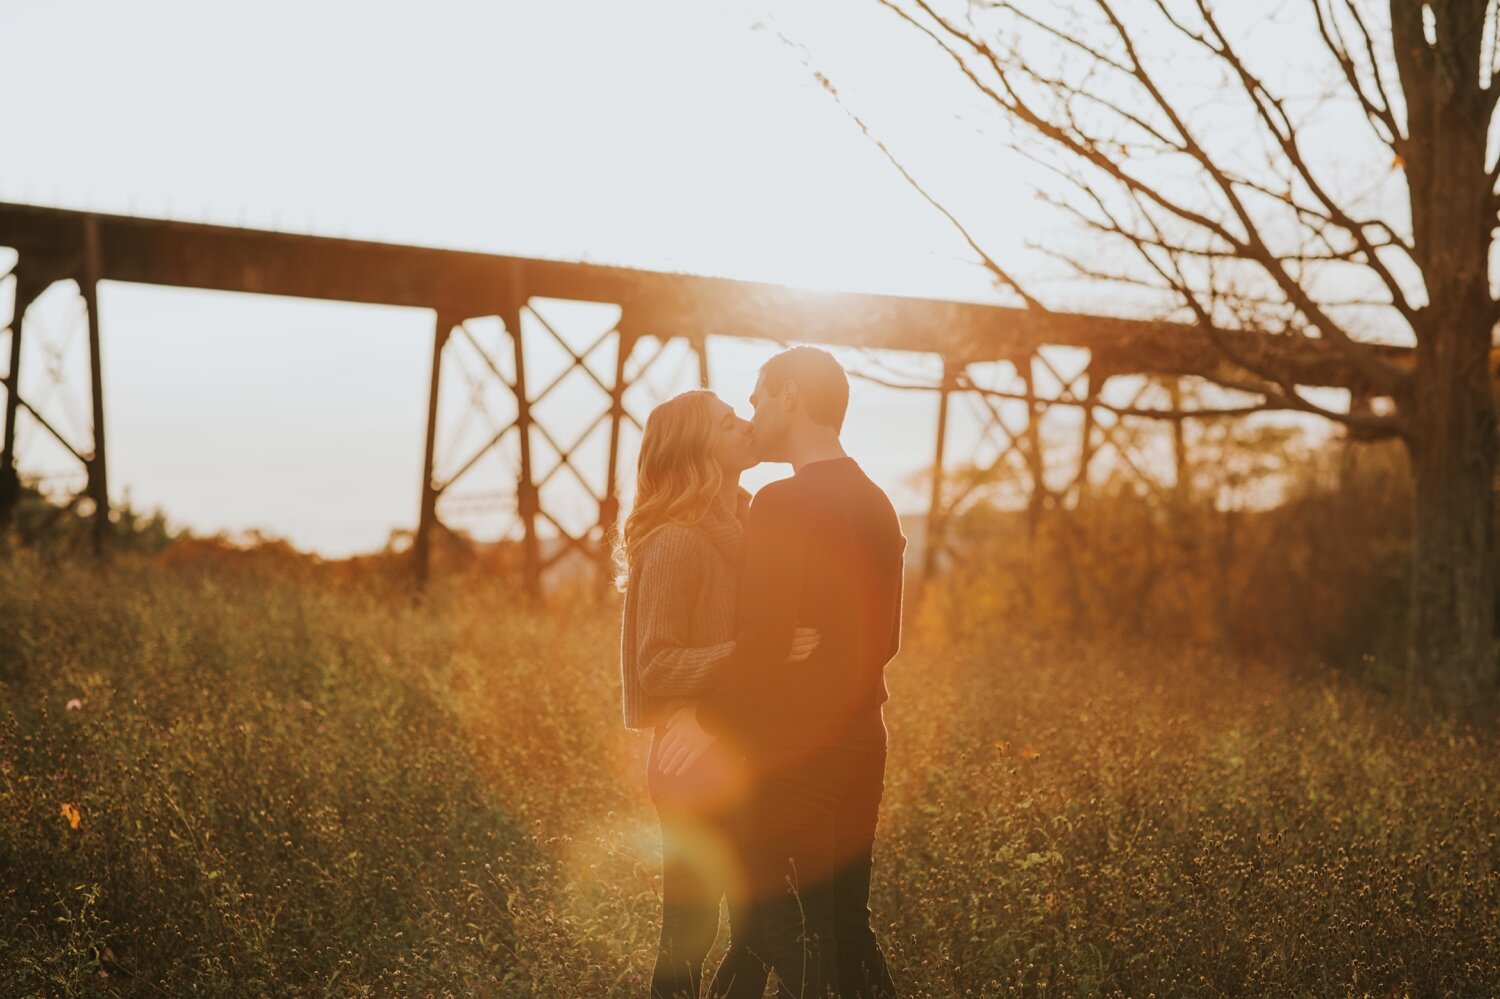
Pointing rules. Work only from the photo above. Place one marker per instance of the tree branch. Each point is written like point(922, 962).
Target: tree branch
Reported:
point(1288, 397)
point(1251, 247)
point(1375, 425)
point(1077, 145)
point(1280, 126)
point(1372, 368)
point(1000, 274)
point(1378, 108)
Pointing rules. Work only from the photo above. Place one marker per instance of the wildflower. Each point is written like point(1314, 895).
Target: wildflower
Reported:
point(71, 813)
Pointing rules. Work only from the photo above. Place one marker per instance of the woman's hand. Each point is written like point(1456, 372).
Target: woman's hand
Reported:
point(682, 743)
point(804, 641)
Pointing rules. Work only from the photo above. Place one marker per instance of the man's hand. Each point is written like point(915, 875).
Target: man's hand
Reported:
point(804, 641)
point(683, 743)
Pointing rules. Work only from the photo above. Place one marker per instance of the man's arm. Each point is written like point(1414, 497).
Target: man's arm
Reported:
point(895, 645)
point(744, 689)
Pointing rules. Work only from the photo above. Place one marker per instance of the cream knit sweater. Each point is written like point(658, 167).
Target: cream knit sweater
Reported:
point(679, 617)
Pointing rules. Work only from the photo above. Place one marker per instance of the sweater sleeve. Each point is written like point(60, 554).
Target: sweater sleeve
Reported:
point(669, 578)
point(750, 680)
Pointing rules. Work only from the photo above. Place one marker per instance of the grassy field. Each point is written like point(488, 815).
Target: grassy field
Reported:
point(251, 777)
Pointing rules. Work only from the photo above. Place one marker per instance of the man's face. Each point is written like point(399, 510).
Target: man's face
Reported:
point(769, 422)
point(734, 447)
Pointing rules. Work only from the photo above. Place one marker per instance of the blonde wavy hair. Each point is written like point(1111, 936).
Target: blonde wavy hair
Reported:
point(677, 475)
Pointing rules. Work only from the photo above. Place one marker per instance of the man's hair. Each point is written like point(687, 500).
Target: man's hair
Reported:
point(820, 380)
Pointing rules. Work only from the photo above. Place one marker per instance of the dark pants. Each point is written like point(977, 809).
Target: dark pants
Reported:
point(702, 862)
point(812, 833)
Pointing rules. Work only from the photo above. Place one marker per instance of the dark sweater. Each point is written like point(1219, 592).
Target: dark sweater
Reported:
point(822, 549)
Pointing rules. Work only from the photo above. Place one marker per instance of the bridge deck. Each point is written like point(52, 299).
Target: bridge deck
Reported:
point(460, 283)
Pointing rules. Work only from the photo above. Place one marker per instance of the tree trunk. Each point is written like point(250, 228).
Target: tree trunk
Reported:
point(1451, 436)
point(1452, 446)
point(1451, 635)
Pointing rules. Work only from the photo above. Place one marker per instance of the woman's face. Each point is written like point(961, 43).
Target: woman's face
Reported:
point(734, 447)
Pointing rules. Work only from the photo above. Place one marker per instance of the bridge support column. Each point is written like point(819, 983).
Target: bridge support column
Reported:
point(427, 516)
point(1095, 375)
point(700, 347)
point(526, 490)
point(609, 505)
point(10, 482)
point(936, 515)
point(1182, 483)
point(98, 487)
point(1035, 459)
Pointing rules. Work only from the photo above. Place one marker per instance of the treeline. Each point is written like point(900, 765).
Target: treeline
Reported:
point(1269, 546)
point(66, 527)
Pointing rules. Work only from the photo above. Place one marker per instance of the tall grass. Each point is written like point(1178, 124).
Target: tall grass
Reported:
point(287, 781)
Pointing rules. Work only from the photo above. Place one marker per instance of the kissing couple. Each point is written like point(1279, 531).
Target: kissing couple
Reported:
point(753, 645)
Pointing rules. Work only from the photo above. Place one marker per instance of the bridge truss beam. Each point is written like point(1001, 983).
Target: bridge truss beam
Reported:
point(462, 288)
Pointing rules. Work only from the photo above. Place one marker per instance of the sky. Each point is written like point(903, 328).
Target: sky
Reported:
point(684, 135)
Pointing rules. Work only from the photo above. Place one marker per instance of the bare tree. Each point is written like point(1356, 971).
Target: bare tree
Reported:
point(1236, 216)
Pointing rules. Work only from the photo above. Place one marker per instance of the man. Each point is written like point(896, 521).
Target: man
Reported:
point(823, 549)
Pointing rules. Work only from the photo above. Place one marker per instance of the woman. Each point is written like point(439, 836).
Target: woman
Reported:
point(681, 552)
